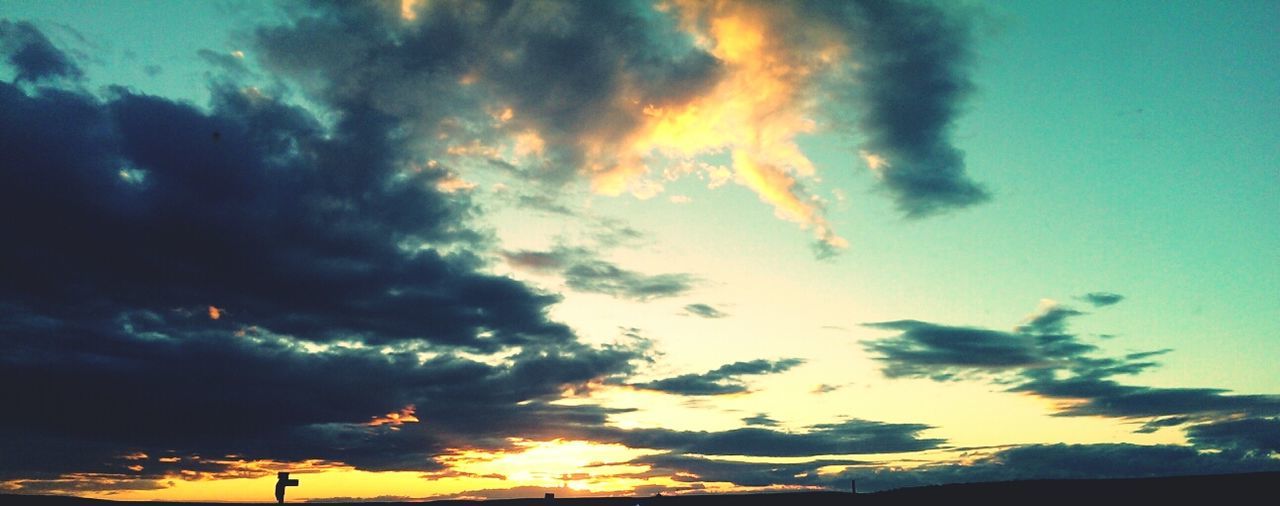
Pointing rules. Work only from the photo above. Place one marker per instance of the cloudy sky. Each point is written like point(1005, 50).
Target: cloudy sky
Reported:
point(436, 248)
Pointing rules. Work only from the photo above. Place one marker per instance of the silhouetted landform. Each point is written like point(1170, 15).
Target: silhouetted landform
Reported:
point(1221, 489)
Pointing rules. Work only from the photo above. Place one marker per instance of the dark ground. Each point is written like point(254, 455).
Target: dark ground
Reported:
point(1252, 488)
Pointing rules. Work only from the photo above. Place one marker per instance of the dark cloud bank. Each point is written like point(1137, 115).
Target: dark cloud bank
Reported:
point(32, 56)
point(182, 285)
point(1042, 357)
point(247, 279)
point(134, 216)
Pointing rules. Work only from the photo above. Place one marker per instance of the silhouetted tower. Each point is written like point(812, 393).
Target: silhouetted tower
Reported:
point(853, 486)
point(282, 481)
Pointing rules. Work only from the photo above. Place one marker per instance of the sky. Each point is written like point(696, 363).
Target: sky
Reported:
point(445, 249)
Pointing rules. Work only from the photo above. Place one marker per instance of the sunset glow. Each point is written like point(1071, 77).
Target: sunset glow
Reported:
point(411, 250)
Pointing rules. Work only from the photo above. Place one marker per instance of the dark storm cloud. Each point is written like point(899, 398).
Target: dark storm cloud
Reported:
point(248, 209)
point(1043, 358)
point(31, 55)
point(913, 78)
point(704, 310)
point(584, 271)
point(1260, 436)
point(247, 281)
point(579, 72)
point(849, 437)
point(726, 379)
point(208, 392)
point(561, 66)
point(1100, 299)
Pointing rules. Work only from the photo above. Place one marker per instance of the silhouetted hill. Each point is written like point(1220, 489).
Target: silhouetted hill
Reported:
point(1258, 488)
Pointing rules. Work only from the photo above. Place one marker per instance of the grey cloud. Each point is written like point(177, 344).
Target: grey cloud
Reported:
point(612, 233)
point(760, 419)
point(704, 310)
point(849, 437)
point(1160, 423)
point(825, 388)
point(543, 203)
point(923, 349)
point(1029, 462)
point(31, 54)
point(747, 474)
point(561, 66)
point(1060, 461)
point(913, 79)
point(573, 71)
point(585, 271)
point(1100, 299)
point(1041, 357)
point(1255, 436)
point(1051, 320)
point(723, 380)
point(136, 216)
point(599, 276)
point(1105, 397)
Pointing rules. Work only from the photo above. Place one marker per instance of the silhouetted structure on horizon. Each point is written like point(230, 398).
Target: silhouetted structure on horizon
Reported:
point(282, 481)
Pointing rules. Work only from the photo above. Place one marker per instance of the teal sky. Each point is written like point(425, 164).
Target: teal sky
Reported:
point(1128, 147)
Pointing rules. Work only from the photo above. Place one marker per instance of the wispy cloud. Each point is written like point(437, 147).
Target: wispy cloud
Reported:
point(1100, 299)
point(726, 379)
point(704, 311)
point(1042, 357)
point(583, 270)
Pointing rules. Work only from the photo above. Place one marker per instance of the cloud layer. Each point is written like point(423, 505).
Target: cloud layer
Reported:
point(726, 379)
point(245, 280)
point(184, 289)
point(1042, 357)
point(32, 56)
point(253, 283)
point(629, 95)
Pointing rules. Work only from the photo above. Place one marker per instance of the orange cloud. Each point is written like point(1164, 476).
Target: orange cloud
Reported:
point(214, 313)
point(406, 415)
point(761, 104)
point(409, 9)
